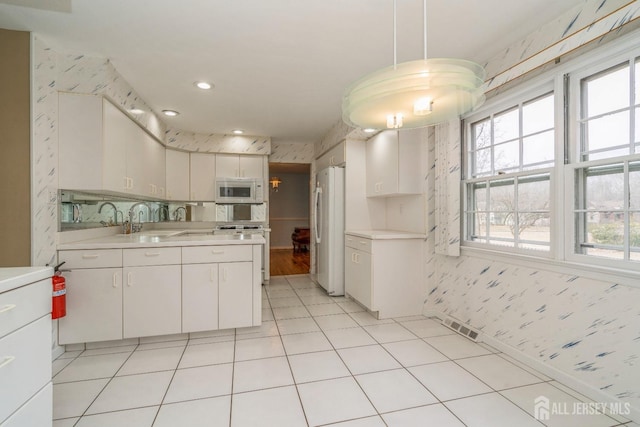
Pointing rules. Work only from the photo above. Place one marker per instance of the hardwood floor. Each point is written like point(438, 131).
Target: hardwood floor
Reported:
point(285, 262)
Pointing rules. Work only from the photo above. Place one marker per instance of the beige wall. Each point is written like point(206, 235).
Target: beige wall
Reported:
point(15, 183)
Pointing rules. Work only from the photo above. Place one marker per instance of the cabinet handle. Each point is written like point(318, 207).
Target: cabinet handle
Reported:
point(126, 182)
point(152, 189)
point(6, 361)
point(162, 191)
point(115, 280)
point(217, 251)
point(129, 282)
point(89, 256)
point(7, 307)
point(357, 258)
point(152, 254)
point(211, 275)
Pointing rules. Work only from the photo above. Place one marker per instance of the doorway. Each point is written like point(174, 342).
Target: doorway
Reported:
point(289, 218)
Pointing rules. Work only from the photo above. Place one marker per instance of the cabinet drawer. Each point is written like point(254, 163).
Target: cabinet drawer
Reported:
point(24, 305)
point(98, 258)
point(151, 256)
point(357, 242)
point(38, 411)
point(25, 363)
point(204, 254)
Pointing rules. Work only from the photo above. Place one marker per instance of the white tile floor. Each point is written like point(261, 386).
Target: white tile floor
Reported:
point(315, 361)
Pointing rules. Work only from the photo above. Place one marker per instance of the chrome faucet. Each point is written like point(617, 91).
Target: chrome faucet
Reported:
point(131, 213)
point(115, 211)
point(176, 213)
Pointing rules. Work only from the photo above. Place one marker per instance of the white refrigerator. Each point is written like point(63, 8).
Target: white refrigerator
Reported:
point(329, 229)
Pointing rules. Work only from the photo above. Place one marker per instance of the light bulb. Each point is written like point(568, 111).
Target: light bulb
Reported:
point(394, 121)
point(423, 106)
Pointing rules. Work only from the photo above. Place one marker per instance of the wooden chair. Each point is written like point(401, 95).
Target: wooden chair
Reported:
point(300, 239)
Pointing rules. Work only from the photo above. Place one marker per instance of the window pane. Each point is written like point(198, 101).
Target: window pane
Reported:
point(636, 138)
point(501, 229)
point(634, 231)
point(605, 253)
point(482, 161)
point(634, 185)
point(604, 188)
point(637, 82)
point(506, 126)
point(534, 227)
point(506, 156)
point(481, 134)
point(534, 194)
point(479, 221)
point(538, 148)
point(537, 115)
point(606, 228)
point(478, 201)
point(607, 92)
point(608, 131)
point(501, 195)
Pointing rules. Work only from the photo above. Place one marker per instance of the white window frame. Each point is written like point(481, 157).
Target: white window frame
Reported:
point(511, 99)
point(561, 258)
point(599, 64)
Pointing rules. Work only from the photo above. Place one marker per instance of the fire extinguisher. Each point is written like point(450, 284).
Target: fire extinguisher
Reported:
point(59, 299)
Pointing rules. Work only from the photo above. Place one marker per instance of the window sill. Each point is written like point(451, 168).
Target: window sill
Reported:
point(606, 274)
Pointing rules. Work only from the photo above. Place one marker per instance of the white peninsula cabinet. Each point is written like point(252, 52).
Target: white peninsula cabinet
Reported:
point(151, 292)
point(239, 166)
point(117, 291)
point(218, 287)
point(103, 149)
point(393, 163)
point(383, 271)
point(25, 347)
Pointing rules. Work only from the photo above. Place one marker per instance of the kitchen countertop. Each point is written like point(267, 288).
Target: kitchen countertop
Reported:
point(14, 277)
point(385, 234)
point(162, 238)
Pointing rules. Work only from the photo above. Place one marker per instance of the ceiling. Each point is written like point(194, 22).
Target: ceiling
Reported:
point(279, 66)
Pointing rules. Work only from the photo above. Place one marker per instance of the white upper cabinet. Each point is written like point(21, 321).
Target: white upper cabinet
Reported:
point(103, 149)
point(334, 157)
point(393, 163)
point(239, 166)
point(202, 174)
point(177, 175)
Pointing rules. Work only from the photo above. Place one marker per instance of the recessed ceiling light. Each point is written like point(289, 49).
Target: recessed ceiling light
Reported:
point(369, 130)
point(203, 85)
point(135, 110)
point(238, 131)
point(170, 113)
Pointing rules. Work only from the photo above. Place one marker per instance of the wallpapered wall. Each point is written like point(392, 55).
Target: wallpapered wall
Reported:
point(587, 329)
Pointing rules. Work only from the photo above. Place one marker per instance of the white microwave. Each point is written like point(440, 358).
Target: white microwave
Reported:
point(239, 190)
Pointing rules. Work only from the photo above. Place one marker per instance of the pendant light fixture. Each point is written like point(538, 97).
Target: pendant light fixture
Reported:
point(416, 93)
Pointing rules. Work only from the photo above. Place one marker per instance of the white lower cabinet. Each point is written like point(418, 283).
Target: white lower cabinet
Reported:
point(235, 295)
point(151, 301)
point(199, 297)
point(94, 306)
point(36, 412)
point(128, 293)
point(385, 275)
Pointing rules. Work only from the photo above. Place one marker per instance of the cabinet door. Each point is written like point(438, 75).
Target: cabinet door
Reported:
point(202, 174)
point(94, 306)
point(199, 297)
point(116, 138)
point(358, 276)
point(80, 142)
point(251, 167)
point(333, 157)
point(155, 175)
point(151, 301)
point(177, 175)
point(235, 294)
point(382, 164)
point(227, 166)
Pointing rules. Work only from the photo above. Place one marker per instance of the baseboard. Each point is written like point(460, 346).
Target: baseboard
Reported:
point(56, 352)
point(586, 389)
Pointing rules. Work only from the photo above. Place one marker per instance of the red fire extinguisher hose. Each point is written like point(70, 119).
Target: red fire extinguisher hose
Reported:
point(59, 297)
